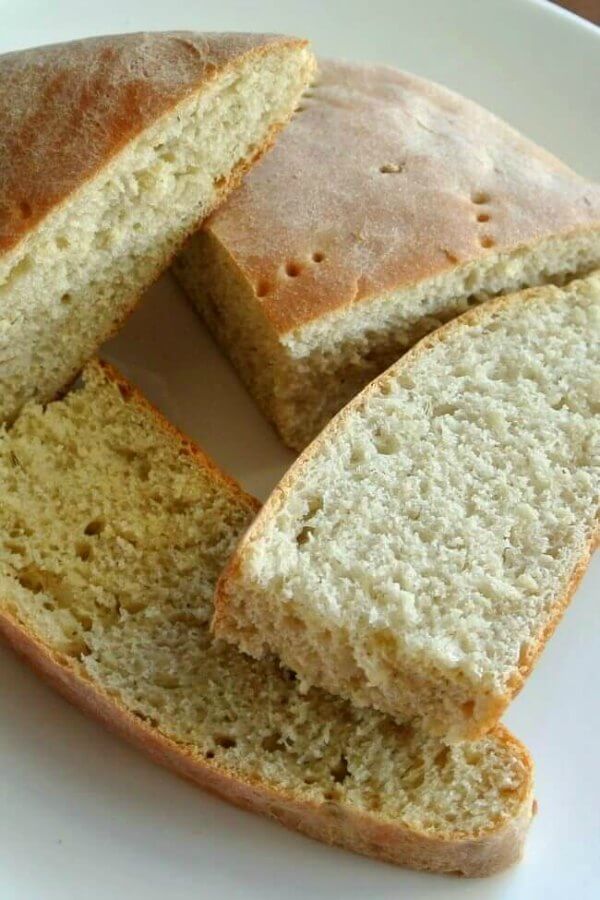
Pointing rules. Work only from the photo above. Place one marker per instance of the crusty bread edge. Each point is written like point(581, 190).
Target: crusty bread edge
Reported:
point(472, 855)
point(473, 317)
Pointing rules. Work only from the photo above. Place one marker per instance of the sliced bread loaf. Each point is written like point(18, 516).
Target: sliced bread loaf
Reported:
point(112, 150)
point(113, 529)
point(389, 206)
point(420, 553)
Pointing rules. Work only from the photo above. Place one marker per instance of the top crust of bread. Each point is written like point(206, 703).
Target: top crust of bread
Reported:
point(432, 182)
point(67, 109)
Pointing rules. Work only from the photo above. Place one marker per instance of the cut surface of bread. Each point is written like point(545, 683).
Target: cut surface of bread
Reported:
point(389, 206)
point(112, 151)
point(113, 530)
point(419, 554)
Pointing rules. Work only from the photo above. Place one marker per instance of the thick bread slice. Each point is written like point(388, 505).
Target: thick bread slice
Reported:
point(389, 206)
point(420, 553)
point(113, 529)
point(112, 150)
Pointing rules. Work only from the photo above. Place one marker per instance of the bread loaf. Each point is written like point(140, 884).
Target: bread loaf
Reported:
point(389, 206)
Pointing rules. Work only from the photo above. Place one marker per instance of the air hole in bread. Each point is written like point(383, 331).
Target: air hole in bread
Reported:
point(450, 256)
point(210, 754)
point(483, 217)
point(263, 288)
point(441, 758)
point(226, 741)
point(83, 551)
point(65, 299)
point(391, 168)
point(273, 742)
point(487, 241)
point(13, 547)
point(304, 535)
point(318, 257)
point(468, 709)
point(524, 654)
point(30, 580)
point(414, 777)
point(150, 720)
point(386, 444)
point(292, 269)
point(340, 772)
point(480, 197)
point(62, 242)
point(96, 526)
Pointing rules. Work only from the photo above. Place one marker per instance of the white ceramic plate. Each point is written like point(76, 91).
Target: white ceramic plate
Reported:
point(84, 816)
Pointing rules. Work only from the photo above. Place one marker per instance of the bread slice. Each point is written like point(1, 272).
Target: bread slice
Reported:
point(112, 150)
point(389, 206)
point(420, 553)
point(113, 529)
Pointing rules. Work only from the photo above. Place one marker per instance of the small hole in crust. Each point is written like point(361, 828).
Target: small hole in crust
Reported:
point(65, 299)
point(25, 209)
point(391, 168)
point(292, 270)
point(299, 109)
point(263, 288)
point(480, 197)
point(487, 241)
point(483, 217)
point(210, 754)
point(318, 257)
point(450, 256)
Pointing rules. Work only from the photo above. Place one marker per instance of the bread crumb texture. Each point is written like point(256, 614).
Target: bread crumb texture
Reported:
point(112, 535)
point(112, 151)
point(421, 551)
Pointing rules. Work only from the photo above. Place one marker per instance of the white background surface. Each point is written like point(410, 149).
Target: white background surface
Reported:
point(84, 816)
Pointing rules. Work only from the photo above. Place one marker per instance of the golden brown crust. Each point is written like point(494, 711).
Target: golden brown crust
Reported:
point(67, 109)
point(461, 185)
point(474, 855)
point(222, 620)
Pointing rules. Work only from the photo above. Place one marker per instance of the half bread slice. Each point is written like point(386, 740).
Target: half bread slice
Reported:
point(420, 553)
point(112, 150)
point(389, 206)
point(113, 530)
